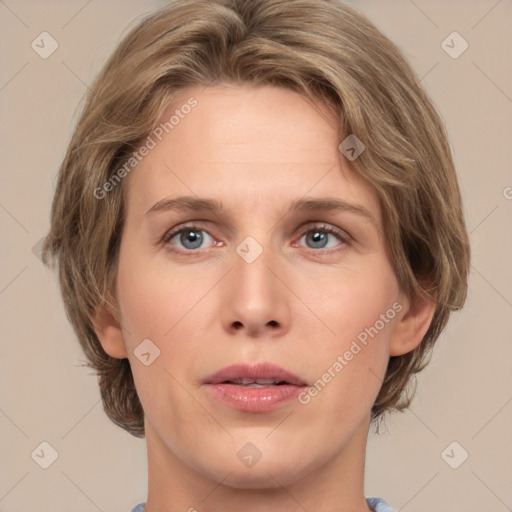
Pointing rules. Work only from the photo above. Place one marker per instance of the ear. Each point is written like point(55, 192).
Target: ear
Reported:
point(109, 332)
point(412, 324)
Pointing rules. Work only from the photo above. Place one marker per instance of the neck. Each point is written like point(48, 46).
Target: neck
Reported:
point(333, 485)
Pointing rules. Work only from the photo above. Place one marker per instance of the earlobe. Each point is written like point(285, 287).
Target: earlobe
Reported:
point(413, 324)
point(109, 332)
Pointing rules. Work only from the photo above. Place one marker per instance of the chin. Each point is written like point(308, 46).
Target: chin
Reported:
point(273, 470)
point(263, 476)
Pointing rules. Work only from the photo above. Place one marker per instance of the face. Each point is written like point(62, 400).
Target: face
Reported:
point(267, 296)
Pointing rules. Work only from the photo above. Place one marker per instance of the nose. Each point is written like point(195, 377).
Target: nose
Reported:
point(256, 300)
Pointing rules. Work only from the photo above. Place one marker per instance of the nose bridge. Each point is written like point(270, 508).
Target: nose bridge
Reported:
point(257, 300)
point(252, 269)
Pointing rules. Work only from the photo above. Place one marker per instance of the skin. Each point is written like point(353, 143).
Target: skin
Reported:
point(299, 304)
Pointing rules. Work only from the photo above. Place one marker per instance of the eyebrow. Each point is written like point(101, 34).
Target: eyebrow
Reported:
point(190, 203)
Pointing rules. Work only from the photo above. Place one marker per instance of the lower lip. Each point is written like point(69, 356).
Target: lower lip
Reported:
point(254, 399)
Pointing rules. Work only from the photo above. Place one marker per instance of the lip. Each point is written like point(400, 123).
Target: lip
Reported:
point(253, 399)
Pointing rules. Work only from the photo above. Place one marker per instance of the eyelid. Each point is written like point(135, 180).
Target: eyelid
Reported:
point(171, 233)
point(330, 228)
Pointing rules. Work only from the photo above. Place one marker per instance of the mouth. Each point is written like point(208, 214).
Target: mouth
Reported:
point(255, 375)
point(258, 387)
point(255, 383)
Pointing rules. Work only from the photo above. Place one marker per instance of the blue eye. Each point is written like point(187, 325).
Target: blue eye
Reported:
point(190, 238)
point(323, 237)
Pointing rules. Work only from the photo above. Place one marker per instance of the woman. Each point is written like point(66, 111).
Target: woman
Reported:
point(260, 237)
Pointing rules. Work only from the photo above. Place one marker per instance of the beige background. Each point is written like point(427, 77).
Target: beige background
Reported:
point(464, 396)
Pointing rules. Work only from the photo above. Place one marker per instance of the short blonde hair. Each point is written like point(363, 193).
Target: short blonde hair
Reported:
point(323, 49)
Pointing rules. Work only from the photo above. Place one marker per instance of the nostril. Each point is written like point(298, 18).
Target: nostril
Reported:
point(273, 323)
point(237, 325)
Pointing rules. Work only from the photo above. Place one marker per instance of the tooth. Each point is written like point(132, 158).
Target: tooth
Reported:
point(256, 383)
point(246, 381)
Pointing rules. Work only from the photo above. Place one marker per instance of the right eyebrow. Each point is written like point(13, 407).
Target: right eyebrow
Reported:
point(187, 203)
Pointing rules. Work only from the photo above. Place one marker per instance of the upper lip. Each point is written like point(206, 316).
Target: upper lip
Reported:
point(248, 371)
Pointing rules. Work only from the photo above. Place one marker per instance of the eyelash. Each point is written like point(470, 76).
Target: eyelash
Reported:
point(342, 236)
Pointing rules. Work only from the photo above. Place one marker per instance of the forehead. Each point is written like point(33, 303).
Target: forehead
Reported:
point(257, 145)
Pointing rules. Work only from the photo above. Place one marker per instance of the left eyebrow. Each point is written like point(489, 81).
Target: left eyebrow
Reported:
point(198, 204)
point(332, 204)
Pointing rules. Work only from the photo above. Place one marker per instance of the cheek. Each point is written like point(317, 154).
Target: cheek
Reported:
point(348, 302)
point(154, 306)
point(360, 311)
point(152, 297)
point(161, 305)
